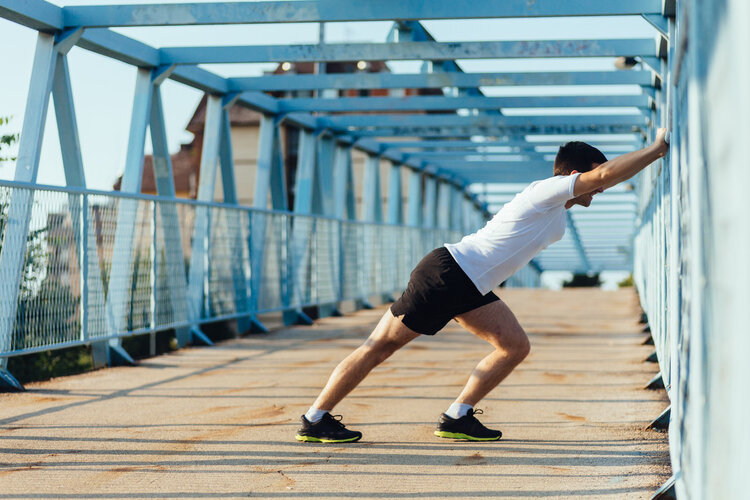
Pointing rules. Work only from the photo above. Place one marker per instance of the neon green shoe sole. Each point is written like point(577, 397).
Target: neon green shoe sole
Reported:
point(459, 435)
point(311, 439)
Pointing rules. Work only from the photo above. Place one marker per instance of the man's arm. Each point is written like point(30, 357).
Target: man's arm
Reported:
point(621, 168)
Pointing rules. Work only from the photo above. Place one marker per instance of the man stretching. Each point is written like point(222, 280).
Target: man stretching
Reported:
point(456, 282)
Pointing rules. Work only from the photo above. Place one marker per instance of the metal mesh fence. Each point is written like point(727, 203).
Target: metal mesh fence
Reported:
point(95, 265)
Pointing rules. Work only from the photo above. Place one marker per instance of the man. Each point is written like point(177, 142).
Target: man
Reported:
point(456, 281)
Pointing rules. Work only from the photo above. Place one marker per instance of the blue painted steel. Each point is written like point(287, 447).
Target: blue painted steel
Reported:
point(306, 182)
point(443, 204)
point(326, 152)
point(234, 218)
point(372, 201)
point(226, 158)
point(474, 156)
point(67, 125)
point(405, 243)
point(414, 31)
point(439, 80)
point(450, 103)
point(35, 14)
point(170, 221)
point(27, 167)
point(395, 196)
point(450, 119)
point(306, 192)
point(408, 51)
point(430, 201)
point(465, 132)
point(198, 288)
point(343, 187)
point(336, 10)
point(521, 145)
point(267, 162)
point(414, 202)
point(119, 285)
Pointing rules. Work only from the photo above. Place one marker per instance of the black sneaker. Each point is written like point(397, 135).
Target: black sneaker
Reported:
point(328, 429)
point(466, 427)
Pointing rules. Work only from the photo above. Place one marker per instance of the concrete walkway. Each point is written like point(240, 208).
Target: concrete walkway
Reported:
point(219, 422)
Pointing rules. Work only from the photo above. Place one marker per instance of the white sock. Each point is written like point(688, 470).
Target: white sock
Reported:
point(314, 415)
point(458, 410)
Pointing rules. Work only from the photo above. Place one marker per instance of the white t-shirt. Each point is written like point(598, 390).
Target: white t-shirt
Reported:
point(526, 225)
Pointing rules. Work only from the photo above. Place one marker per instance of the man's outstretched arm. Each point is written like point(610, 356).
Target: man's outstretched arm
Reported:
point(621, 168)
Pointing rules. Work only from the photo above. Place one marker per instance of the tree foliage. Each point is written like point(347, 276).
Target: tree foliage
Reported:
point(581, 279)
point(6, 141)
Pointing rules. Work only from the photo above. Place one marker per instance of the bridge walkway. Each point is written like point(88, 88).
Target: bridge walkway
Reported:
point(219, 422)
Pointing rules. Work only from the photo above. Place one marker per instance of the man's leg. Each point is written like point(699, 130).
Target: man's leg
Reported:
point(389, 336)
point(495, 323)
point(318, 425)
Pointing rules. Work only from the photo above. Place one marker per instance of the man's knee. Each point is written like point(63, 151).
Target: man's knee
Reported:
point(515, 344)
point(381, 349)
point(522, 346)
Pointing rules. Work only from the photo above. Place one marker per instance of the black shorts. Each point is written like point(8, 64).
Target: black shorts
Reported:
point(438, 290)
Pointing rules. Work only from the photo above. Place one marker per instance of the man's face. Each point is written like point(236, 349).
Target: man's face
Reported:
point(585, 199)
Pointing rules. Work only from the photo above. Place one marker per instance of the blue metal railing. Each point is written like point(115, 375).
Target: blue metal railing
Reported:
point(254, 261)
point(692, 246)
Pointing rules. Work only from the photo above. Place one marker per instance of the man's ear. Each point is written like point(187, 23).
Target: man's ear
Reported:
point(574, 172)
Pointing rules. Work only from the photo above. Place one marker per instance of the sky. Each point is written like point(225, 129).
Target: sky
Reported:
point(103, 88)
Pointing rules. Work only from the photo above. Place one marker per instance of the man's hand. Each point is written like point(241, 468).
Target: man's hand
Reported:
point(660, 143)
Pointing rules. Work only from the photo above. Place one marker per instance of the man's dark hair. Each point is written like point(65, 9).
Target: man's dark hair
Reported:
point(576, 155)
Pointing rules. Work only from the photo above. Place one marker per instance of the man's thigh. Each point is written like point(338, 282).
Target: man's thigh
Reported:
point(391, 332)
point(495, 323)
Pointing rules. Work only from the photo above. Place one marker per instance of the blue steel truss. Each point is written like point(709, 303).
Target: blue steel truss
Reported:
point(455, 147)
point(452, 149)
point(461, 153)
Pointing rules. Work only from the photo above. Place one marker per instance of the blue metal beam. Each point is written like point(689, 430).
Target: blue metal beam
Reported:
point(447, 144)
point(498, 130)
point(409, 51)
point(473, 156)
point(338, 10)
point(451, 103)
point(455, 120)
point(520, 173)
point(486, 165)
point(439, 80)
point(34, 14)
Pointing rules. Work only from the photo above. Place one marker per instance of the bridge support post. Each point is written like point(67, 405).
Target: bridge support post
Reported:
point(235, 218)
point(661, 423)
point(111, 351)
point(170, 220)
point(395, 217)
point(325, 204)
point(8, 382)
point(443, 206)
point(667, 490)
point(269, 177)
point(199, 298)
point(372, 211)
point(345, 208)
point(430, 201)
point(27, 166)
point(299, 280)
